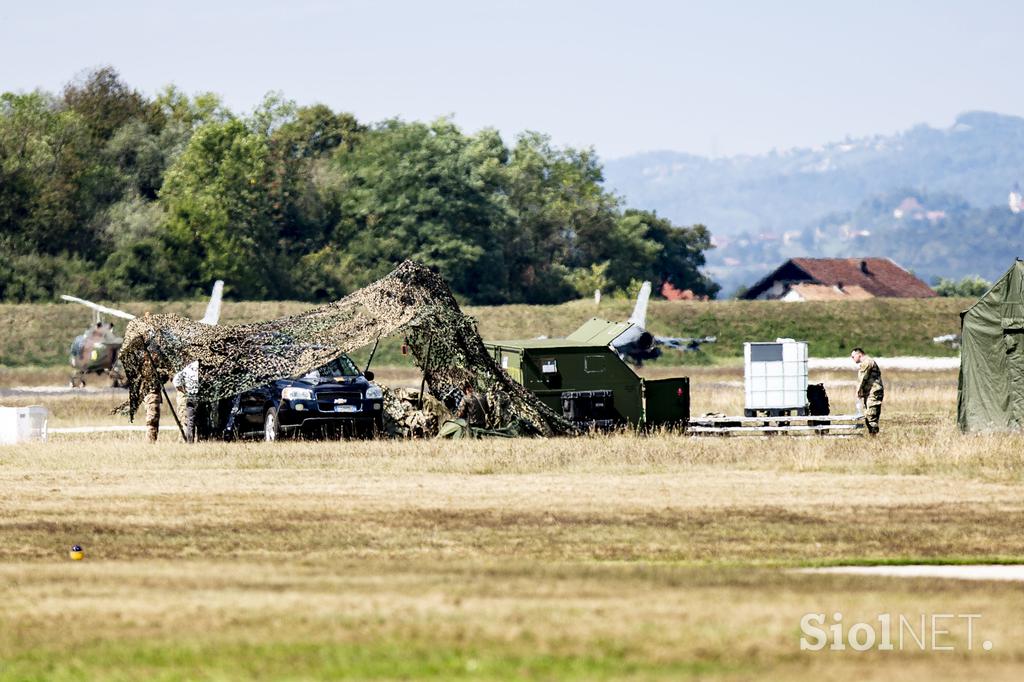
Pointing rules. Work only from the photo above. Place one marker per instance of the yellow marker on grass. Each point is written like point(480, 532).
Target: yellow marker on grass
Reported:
point(76, 553)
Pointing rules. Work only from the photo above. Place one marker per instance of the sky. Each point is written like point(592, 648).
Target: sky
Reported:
point(709, 78)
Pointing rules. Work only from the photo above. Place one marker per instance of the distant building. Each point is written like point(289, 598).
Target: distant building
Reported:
point(912, 209)
point(909, 207)
point(838, 279)
point(1016, 200)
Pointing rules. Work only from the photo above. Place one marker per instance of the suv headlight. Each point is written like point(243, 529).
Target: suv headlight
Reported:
point(292, 393)
point(374, 393)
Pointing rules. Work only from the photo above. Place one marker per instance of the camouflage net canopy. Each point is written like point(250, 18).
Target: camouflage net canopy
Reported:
point(411, 301)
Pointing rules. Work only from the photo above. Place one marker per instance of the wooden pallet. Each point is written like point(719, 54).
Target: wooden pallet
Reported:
point(824, 425)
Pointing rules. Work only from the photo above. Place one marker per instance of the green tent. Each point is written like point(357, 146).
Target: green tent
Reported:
point(991, 389)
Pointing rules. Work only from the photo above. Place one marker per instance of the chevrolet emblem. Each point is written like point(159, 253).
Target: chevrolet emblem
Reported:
point(340, 401)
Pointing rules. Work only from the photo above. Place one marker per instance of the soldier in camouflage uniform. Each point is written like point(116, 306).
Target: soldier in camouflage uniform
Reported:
point(152, 385)
point(474, 407)
point(869, 388)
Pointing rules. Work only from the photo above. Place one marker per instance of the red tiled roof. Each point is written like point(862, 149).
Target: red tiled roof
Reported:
point(877, 276)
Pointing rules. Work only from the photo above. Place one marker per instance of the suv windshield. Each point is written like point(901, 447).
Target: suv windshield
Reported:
point(339, 367)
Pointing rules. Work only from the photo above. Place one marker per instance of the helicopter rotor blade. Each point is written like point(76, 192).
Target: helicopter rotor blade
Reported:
point(99, 308)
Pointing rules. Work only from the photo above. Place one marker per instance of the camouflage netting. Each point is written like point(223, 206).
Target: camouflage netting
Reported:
point(411, 301)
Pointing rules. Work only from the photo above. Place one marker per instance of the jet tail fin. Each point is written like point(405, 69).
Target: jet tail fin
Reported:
point(212, 315)
point(639, 316)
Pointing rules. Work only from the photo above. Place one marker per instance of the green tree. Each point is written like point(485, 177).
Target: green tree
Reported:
point(108, 193)
point(42, 277)
point(587, 280)
point(427, 192)
point(681, 254)
point(219, 210)
point(562, 217)
point(142, 155)
point(51, 184)
point(971, 286)
point(630, 252)
point(316, 131)
point(106, 103)
point(300, 143)
point(191, 112)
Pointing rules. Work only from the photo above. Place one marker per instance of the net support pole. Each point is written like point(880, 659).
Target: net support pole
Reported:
point(174, 414)
point(423, 379)
point(372, 353)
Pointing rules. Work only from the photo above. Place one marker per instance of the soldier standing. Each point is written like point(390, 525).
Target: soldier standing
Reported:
point(869, 388)
point(152, 384)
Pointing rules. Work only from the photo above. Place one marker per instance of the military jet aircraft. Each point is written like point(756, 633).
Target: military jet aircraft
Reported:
point(95, 350)
point(631, 339)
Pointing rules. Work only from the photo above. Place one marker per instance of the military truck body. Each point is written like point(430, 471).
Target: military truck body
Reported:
point(585, 380)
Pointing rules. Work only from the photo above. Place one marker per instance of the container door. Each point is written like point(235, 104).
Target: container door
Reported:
point(667, 401)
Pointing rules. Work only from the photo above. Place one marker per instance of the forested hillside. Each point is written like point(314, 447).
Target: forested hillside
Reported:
point(936, 235)
point(108, 193)
point(933, 199)
point(977, 158)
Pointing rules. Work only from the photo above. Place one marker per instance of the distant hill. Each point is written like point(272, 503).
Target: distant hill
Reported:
point(932, 234)
point(839, 199)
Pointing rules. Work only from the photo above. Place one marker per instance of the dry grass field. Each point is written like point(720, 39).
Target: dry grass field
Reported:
point(610, 557)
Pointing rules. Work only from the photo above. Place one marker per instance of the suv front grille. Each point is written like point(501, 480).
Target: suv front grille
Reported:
point(325, 400)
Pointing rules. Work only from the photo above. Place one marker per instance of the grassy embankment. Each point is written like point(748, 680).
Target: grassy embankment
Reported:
point(618, 557)
point(39, 334)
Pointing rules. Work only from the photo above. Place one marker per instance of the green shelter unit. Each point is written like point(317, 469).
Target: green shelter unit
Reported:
point(991, 387)
point(583, 378)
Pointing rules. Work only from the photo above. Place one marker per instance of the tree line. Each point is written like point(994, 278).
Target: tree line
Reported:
point(107, 193)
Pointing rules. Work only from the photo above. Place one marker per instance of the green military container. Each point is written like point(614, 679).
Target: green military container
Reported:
point(584, 379)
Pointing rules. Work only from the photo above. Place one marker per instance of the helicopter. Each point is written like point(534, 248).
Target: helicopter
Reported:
point(95, 350)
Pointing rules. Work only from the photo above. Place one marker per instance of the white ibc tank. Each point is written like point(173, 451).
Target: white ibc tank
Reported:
point(775, 375)
point(22, 424)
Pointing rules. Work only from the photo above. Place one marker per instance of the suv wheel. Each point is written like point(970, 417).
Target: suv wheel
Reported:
point(271, 426)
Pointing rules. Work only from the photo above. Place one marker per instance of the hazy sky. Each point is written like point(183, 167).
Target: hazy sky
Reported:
point(626, 76)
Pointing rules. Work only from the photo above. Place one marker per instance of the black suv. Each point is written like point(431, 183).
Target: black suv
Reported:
point(334, 399)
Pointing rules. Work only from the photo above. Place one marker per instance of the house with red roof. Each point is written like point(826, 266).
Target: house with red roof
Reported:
point(838, 279)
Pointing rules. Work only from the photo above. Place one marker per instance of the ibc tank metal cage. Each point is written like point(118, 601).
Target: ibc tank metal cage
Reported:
point(775, 378)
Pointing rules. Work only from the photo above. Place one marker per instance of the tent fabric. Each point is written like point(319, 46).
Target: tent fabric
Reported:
point(990, 396)
point(411, 301)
